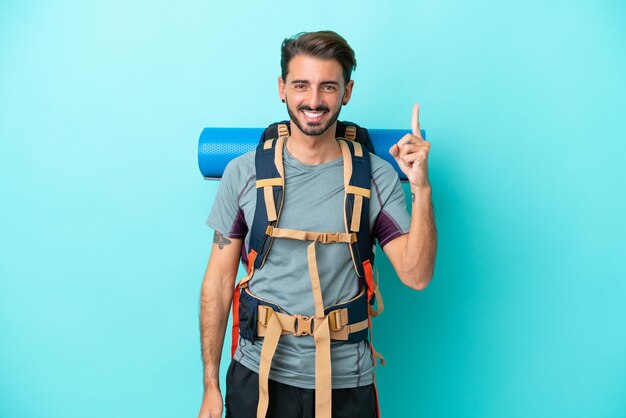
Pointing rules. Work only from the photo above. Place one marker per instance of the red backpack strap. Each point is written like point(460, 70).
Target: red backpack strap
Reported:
point(243, 283)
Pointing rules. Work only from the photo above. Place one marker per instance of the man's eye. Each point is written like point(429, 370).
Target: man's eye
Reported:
point(299, 86)
point(328, 88)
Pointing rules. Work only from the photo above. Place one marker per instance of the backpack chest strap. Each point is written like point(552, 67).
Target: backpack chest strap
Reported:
point(321, 237)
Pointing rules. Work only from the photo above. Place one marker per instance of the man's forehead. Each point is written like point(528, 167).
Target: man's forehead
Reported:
point(312, 69)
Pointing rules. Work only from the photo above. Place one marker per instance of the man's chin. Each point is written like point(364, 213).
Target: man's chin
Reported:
point(312, 129)
point(315, 130)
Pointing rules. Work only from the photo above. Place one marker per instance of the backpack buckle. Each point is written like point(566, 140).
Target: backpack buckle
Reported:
point(264, 314)
point(303, 325)
point(329, 237)
point(334, 320)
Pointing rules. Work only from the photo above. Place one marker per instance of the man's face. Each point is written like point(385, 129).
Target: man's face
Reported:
point(314, 92)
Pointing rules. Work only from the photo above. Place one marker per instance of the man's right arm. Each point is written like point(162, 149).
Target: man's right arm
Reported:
point(216, 297)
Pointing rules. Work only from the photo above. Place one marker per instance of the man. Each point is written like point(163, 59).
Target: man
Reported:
point(315, 84)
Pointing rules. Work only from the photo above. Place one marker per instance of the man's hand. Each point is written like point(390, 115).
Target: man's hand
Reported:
point(215, 301)
point(411, 153)
point(413, 255)
point(212, 404)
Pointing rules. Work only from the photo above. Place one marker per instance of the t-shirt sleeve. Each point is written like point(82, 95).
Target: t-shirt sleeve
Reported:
point(393, 218)
point(226, 216)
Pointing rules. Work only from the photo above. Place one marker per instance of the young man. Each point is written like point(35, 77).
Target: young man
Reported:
point(315, 84)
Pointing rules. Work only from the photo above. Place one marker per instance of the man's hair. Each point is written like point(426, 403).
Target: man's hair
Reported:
point(324, 44)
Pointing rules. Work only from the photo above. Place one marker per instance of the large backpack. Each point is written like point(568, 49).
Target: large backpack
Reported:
point(348, 321)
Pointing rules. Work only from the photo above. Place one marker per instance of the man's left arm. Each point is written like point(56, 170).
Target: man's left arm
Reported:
point(413, 255)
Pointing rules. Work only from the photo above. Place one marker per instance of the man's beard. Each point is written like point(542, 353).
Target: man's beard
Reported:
point(317, 129)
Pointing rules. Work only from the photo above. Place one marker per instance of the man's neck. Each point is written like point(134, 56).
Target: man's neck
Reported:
point(313, 150)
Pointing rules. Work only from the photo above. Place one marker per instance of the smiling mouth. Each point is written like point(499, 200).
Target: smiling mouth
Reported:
point(313, 116)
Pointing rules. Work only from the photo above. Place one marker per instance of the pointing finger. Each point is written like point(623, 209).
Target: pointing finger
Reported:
point(415, 121)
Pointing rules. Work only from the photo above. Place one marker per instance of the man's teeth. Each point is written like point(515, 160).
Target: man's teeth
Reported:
point(313, 114)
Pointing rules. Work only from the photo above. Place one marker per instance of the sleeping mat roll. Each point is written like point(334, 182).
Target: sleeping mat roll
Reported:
point(217, 146)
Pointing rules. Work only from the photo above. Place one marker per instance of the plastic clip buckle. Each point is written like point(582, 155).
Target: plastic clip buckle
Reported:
point(304, 325)
point(330, 237)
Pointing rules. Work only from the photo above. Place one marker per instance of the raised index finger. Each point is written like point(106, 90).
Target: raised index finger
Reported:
point(415, 120)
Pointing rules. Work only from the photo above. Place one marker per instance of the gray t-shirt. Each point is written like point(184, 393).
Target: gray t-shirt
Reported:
point(313, 201)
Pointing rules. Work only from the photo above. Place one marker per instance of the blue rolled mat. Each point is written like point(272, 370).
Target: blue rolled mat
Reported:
point(217, 146)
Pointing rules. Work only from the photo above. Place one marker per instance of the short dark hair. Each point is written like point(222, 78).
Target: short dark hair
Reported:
point(324, 44)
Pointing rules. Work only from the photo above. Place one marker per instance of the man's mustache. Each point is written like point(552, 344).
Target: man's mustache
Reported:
point(317, 109)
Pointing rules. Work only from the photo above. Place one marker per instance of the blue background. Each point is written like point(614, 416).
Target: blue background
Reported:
point(103, 243)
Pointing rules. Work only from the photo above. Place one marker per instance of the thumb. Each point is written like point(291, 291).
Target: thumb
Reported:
point(394, 151)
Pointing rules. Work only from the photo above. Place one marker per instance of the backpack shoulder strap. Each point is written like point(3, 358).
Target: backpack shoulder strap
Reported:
point(357, 184)
point(270, 185)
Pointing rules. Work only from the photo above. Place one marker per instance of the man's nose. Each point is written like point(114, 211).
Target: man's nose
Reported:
point(315, 99)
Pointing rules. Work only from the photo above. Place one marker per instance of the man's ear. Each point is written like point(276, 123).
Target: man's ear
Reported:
point(347, 93)
point(281, 89)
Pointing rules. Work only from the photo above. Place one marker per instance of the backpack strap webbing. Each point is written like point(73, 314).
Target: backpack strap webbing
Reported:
point(350, 133)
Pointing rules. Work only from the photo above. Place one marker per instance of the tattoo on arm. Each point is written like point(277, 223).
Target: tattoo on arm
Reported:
point(220, 240)
point(412, 197)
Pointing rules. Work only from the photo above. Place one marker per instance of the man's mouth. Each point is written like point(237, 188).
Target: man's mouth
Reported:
point(313, 115)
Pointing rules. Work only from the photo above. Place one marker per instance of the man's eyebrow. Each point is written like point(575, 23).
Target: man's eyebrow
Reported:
point(308, 82)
